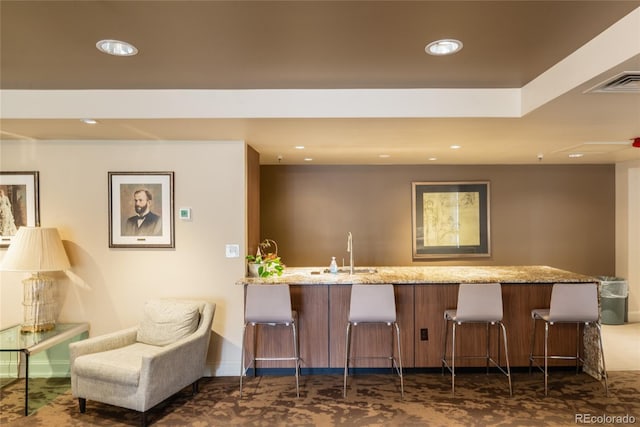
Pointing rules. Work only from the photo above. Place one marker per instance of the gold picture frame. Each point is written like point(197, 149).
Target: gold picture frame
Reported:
point(141, 210)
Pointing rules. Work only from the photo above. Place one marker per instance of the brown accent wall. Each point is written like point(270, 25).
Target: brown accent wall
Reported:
point(562, 216)
point(253, 200)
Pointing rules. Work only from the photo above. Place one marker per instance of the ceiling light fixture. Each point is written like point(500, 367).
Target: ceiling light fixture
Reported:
point(308, 159)
point(455, 147)
point(89, 121)
point(575, 155)
point(384, 156)
point(116, 48)
point(299, 147)
point(433, 159)
point(443, 47)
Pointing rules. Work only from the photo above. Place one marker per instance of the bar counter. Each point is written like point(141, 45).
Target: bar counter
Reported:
point(423, 275)
point(422, 295)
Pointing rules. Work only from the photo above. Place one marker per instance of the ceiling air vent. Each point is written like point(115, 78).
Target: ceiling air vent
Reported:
point(626, 82)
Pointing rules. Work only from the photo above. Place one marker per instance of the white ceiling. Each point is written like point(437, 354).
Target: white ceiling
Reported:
point(349, 80)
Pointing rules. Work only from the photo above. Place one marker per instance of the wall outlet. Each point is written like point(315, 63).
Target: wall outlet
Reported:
point(424, 334)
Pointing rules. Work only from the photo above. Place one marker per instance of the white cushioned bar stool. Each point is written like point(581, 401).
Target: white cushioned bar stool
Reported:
point(570, 303)
point(477, 303)
point(269, 305)
point(373, 304)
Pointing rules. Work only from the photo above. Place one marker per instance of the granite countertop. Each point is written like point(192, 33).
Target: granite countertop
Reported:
point(424, 275)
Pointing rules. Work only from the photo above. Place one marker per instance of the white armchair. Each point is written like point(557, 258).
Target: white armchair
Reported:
point(141, 366)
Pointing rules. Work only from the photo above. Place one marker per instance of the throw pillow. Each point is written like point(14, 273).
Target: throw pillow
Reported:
point(166, 321)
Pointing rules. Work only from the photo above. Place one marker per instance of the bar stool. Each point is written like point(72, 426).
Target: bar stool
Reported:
point(373, 304)
point(570, 303)
point(477, 303)
point(269, 305)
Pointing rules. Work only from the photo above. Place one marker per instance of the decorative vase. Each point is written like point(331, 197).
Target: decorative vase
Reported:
point(253, 269)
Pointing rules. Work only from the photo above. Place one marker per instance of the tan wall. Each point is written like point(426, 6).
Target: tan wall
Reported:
point(111, 285)
point(561, 216)
point(628, 231)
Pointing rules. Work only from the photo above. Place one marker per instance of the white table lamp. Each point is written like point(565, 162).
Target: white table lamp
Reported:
point(37, 250)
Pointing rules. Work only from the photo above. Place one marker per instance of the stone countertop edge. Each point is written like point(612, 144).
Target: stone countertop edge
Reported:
point(536, 274)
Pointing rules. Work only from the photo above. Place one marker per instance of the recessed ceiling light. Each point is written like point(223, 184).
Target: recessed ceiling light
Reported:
point(455, 147)
point(433, 158)
point(576, 155)
point(443, 47)
point(384, 156)
point(299, 147)
point(308, 159)
point(89, 121)
point(116, 48)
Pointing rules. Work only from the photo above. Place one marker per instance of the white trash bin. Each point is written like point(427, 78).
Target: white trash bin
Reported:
point(613, 300)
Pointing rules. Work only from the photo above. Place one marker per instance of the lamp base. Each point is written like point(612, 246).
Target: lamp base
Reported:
point(28, 329)
point(39, 304)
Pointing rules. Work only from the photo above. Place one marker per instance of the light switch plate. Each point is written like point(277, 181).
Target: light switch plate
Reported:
point(232, 251)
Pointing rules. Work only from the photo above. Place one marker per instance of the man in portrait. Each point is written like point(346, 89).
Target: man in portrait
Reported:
point(144, 222)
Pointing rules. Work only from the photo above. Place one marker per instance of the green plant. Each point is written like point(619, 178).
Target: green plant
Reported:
point(269, 263)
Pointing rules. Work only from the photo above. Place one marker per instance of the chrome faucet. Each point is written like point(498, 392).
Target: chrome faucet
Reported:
point(350, 250)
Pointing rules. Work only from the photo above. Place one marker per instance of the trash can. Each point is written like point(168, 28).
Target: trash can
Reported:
point(613, 300)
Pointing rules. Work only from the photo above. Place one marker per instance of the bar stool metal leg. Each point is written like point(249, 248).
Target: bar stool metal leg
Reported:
point(346, 359)
point(296, 352)
point(506, 355)
point(399, 359)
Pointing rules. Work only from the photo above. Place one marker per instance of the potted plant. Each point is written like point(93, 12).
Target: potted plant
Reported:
point(266, 262)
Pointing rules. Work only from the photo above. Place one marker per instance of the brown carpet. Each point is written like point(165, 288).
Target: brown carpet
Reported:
point(373, 400)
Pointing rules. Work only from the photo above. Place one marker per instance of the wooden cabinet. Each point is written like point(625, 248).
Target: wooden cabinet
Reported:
point(369, 340)
point(323, 310)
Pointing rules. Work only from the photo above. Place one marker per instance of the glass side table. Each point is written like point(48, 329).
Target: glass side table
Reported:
point(26, 344)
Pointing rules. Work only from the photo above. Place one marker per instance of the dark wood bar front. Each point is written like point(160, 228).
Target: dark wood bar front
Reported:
point(422, 296)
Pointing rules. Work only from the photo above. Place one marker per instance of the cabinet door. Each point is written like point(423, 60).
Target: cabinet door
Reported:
point(312, 304)
point(517, 299)
point(370, 340)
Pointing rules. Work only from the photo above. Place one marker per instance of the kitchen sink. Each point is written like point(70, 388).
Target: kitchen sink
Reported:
point(345, 270)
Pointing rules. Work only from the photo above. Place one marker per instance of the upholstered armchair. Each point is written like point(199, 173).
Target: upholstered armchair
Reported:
point(141, 366)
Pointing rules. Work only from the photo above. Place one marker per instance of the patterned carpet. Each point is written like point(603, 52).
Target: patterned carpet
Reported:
point(373, 400)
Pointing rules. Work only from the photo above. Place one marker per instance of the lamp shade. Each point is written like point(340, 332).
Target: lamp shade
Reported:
point(36, 249)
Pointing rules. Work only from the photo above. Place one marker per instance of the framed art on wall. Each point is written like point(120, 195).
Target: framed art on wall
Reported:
point(141, 210)
point(19, 203)
point(450, 219)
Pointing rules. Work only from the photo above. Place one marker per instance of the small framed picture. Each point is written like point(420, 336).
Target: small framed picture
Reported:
point(141, 210)
point(19, 203)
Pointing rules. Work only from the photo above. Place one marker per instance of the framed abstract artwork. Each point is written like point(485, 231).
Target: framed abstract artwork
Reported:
point(450, 219)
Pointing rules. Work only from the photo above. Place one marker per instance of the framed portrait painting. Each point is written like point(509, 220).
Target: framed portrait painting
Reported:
point(141, 210)
point(19, 203)
point(450, 219)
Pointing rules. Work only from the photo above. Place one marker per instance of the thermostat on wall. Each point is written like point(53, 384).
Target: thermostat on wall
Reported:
point(185, 214)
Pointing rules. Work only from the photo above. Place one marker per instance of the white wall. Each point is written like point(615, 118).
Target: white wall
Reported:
point(628, 231)
point(109, 286)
